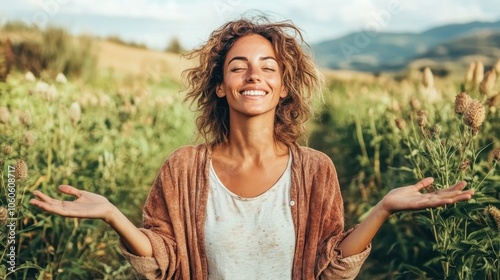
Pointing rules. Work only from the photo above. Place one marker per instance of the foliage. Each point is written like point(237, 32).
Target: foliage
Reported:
point(114, 148)
point(381, 143)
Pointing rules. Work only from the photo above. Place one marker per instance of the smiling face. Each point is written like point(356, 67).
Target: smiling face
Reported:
point(252, 82)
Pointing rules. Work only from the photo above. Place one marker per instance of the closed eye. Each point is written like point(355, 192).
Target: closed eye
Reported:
point(238, 69)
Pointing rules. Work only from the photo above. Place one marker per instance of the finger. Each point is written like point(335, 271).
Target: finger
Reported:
point(43, 197)
point(424, 183)
point(70, 190)
point(458, 186)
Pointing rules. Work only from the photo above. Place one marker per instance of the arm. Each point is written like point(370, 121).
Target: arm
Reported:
point(400, 199)
point(93, 206)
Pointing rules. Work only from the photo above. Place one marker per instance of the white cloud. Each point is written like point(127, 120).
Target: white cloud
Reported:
point(193, 20)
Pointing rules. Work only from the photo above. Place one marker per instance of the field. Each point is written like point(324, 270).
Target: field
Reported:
point(108, 128)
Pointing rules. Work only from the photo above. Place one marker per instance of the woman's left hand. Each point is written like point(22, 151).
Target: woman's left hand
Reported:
point(410, 197)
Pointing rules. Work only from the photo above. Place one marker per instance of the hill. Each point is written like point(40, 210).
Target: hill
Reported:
point(383, 51)
point(136, 61)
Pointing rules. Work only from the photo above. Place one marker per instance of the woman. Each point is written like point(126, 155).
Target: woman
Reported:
point(249, 203)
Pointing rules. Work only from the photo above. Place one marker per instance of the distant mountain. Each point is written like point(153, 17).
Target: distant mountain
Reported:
point(380, 51)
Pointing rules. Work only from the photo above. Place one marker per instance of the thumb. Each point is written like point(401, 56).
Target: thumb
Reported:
point(67, 189)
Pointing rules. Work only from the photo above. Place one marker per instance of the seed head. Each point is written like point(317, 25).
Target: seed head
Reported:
point(3, 215)
point(474, 114)
point(21, 170)
point(428, 78)
point(464, 165)
point(75, 113)
point(435, 131)
point(401, 124)
point(29, 139)
point(469, 76)
point(415, 104)
point(462, 101)
point(494, 101)
point(29, 77)
point(497, 66)
point(495, 215)
point(61, 79)
point(7, 150)
point(4, 115)
point(25, 118)
point(421, 118)
point(478, 73)
point(496, 154)
point(487, 84)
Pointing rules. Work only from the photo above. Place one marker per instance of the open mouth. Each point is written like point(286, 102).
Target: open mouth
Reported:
point(253, 93)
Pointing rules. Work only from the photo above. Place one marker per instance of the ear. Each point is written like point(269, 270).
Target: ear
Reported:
point(284, 92)
point(220, 91)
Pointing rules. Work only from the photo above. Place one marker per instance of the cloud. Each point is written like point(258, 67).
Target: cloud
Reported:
point(193, 20)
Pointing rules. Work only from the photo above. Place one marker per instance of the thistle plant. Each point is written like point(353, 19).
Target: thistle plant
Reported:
point(450, 150)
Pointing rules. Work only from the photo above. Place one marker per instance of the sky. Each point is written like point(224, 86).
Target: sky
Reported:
point(156, 22)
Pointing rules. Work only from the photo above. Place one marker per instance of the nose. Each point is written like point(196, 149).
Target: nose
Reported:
point(254, 75)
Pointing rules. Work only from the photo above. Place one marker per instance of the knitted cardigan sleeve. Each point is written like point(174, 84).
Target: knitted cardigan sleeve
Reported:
point(330, 264)
point(157, 225)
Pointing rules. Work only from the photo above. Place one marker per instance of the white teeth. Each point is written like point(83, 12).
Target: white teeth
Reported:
point(254, 92)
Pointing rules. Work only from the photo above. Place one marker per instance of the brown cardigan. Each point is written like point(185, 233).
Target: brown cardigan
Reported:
point(174, 215)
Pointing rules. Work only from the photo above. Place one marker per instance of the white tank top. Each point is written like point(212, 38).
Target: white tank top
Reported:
point(250, 238)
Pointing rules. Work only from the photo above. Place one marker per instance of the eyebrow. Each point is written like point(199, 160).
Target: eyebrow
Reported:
point(246, 59)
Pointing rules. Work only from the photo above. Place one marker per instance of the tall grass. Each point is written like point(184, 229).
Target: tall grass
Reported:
point(113, 146)
point(400, 133)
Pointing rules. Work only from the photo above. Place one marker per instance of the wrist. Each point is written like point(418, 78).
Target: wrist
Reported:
point(112, 215)
point(380, 211)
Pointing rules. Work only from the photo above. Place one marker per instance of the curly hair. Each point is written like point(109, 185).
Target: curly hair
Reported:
point(301, 78)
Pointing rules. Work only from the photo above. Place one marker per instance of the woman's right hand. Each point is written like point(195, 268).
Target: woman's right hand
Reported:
point(87, 205)
point(93, 206)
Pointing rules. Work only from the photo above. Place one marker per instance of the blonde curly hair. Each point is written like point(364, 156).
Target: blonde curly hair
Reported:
point(301, 78)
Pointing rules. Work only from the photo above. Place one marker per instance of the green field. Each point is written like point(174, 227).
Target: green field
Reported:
point(129, 123)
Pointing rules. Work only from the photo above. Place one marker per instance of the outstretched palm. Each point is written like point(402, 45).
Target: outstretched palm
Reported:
point(87, 204)
point(410, 197)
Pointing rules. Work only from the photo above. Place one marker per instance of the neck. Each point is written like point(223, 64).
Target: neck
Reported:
point(252, 138)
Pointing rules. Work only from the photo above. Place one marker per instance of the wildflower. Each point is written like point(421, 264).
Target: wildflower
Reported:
point(478, 73)
point(60, 78)
point(421, 118)
point(495, 215)
point(51, 93)
point(469, 76)
point(4, 115)
point(462, 100)
point(464, 165)
point(475, 114)
point(494, 101)
point(21, 170)
point(29, 77)
point(497, 66)
point(40, 88)
point(496, 154)
point(487, 84)
point(415, 104)
point(435, 131)
point(428, 78)
point(401, 124)
point(25, 118)
point(3, 215)
point(75, 113)
point(29, 139)
point(7, 150)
